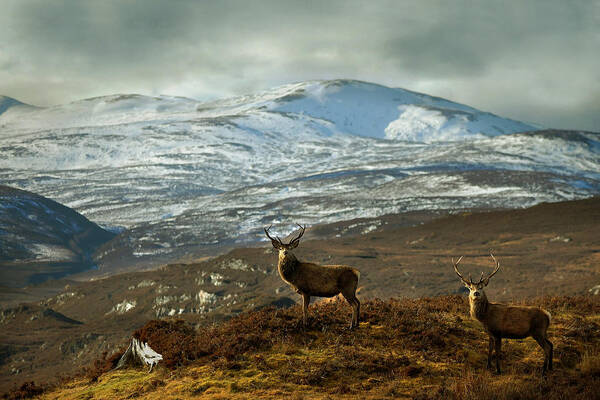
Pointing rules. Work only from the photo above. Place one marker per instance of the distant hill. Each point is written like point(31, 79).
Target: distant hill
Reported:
point(42, 239)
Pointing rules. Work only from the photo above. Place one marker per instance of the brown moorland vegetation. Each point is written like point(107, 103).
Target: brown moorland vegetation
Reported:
point(404, 348)
point(550, 249)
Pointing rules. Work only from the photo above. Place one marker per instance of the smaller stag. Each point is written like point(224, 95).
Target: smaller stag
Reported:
point(310, 279)
point(504, 321)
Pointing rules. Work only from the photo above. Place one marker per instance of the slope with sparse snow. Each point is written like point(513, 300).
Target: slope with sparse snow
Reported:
point(180, 174)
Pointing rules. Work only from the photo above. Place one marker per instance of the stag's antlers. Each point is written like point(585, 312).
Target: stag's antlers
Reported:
point(483, 280)
point(487, 280)
point(276, 242)
point(456, 270)
point(293, 243)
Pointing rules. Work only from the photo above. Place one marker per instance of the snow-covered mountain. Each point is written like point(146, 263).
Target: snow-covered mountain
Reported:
point(179, 174)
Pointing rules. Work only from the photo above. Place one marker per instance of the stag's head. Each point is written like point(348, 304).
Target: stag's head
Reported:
point(283, 248)
point(476, 288)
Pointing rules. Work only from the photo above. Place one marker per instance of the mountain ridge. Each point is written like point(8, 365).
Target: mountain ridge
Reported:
point(276, 99)
point(186, 177)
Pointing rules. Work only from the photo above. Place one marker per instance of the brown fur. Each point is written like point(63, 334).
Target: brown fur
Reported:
point(502, 321)
point(309, 279)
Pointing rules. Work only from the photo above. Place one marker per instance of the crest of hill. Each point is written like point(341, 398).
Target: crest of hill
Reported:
point(367, 109)
point(373, 110)
point(424, 349)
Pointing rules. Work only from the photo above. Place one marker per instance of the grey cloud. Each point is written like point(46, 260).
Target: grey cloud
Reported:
point(536, 60)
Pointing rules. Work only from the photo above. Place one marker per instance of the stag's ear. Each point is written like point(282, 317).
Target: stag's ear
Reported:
point(485, 281)
point(276, 244)
point(294, 244)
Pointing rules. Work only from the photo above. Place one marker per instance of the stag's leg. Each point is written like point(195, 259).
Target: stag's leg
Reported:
point(551, 354)
point(498, 348)
point(357, 310)
point(355, 304)
point(305, 303)
point(490, 349)
point(349, 293)
point(542, 342)
point(547, 347)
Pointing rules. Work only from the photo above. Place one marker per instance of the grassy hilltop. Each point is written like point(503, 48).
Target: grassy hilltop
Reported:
point(404, 348)
point(549, 249)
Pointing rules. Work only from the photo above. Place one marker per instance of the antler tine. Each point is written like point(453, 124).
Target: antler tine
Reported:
point(302, 229)
point(497, 266)
point(480, 278)
point(269, 236)
point(456, 269)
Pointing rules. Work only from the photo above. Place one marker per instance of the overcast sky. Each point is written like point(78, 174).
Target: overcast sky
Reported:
point(536, 61)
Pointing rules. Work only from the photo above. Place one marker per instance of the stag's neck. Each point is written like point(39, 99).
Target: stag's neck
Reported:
point(479, 308)
point(287, 266)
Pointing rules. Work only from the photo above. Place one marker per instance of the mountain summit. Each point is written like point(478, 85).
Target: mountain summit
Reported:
point(372, 110)
point(367, 109)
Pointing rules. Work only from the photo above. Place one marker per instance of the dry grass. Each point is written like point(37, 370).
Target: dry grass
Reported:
point(404, 348)
point(25, 391)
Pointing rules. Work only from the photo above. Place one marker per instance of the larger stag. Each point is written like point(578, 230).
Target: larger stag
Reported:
point(310, 279)
point(504, 321)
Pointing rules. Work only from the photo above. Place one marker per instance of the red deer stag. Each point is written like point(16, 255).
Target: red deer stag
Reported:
point(310, 279)
point(504, 321)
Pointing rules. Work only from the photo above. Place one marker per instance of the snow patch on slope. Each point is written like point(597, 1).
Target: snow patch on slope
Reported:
point(419, 124)
point(123, 307)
